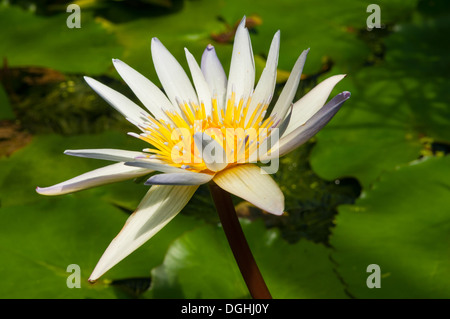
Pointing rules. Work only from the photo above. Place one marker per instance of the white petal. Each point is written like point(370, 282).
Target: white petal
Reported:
point(288, 93)
point(241, 79)
point(188, 178)
point(106, 154)
point(304, 132)
point(272, 143)
point(132, 159)
point(313, 101)
point(247, 182)
point(176, 83)
point(154, 164)
point(201, 86)
point(101, 176)
point(159, 206)
point(121, 103)
point(210, 151)
point(214, 75)
point(147, 92)
point(285, 123)
point(266, 84)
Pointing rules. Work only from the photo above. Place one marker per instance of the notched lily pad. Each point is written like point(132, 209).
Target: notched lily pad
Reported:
point(401, 225)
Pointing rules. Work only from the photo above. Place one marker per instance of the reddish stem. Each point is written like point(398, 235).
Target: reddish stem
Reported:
point(238, 244)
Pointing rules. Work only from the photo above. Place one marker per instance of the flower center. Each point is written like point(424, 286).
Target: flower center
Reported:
point(238, 130)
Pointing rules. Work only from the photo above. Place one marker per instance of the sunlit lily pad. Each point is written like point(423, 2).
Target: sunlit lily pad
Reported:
point(373, 132)
point(394, 105)
point(402, 225)
point(200, 265)
point(39, 241)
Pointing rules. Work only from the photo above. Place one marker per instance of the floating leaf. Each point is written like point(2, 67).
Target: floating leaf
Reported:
point(394, 106)
point(200, 265)
point(42, 163)
point(39, 241)
point(402, 225)
point(48, 42)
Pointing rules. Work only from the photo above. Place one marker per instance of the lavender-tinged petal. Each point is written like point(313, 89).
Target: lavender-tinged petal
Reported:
point(188, 178)
point(303, 133)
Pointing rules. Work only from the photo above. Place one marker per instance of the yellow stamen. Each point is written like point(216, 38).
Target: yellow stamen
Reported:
point(173, 140)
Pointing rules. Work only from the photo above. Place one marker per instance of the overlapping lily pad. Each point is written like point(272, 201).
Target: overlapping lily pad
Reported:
point(394, 105)
point(398, 104)
point(200, 264)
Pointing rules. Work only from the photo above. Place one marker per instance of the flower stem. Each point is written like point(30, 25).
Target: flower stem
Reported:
point(239, 246)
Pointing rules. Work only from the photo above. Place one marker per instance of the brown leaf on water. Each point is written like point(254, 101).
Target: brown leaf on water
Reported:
point(12, 138)
point(16, 79)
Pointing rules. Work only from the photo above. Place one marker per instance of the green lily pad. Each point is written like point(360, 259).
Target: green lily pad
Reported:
point(401, 225)
point(178, 30)
point(33, 40)
point(34, 262)
point(39, 241)
point(331, 33)
point(200, 264)
point(373, 131)
point(394, 107)
point(42, 163)
point(333, 37)
point(428, 95)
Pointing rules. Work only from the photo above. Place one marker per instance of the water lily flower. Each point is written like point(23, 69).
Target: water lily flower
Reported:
point(190, 130)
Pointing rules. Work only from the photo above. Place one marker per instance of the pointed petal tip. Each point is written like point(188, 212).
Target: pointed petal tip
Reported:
point(277, 212)
point(209, 47)
point(48, 191)
point(337, 78)
point(346, 94)
point(118, 63)
point(155, 41)
point(189, 55)
point(242, 23)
